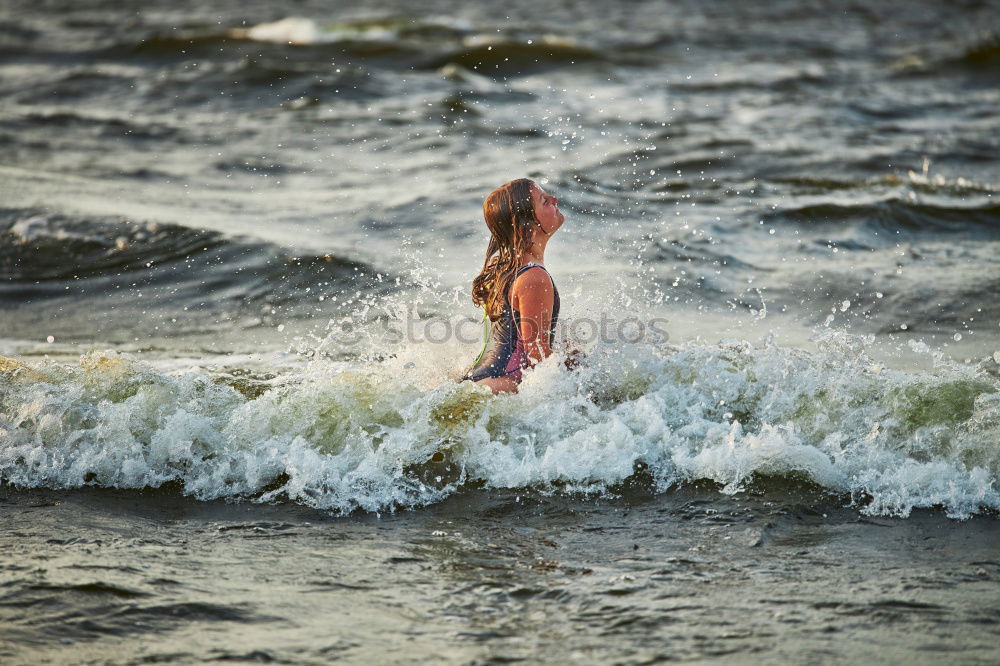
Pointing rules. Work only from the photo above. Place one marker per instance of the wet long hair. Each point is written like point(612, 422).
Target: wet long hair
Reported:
point(510, 214)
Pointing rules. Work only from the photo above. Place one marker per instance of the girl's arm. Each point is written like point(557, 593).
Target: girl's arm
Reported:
point(532, 295)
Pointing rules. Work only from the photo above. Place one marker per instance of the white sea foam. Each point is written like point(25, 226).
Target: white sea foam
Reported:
point(297, 30)
point(366, 434)
point(291, 30)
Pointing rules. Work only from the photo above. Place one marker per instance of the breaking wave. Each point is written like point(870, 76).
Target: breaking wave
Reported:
point(398, 432)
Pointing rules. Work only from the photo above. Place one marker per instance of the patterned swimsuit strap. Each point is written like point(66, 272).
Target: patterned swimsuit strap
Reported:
point(532, 265)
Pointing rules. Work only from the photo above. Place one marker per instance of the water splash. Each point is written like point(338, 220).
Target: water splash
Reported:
point(381, 434)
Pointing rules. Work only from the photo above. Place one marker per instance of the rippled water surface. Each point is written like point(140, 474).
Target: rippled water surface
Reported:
point(232, 234)
point(780, 574)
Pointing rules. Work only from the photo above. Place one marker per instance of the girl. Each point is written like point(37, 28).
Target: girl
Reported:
point(514, 288)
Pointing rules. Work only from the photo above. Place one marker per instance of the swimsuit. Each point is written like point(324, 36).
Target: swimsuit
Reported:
point(504, 355)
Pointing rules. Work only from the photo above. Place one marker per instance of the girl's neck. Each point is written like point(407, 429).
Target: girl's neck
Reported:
point(536, 255)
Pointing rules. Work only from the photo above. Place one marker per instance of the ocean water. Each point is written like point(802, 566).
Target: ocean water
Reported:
point(236, 245)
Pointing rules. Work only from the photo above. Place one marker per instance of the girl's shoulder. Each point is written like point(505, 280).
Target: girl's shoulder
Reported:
point(526, 269)
point(531, 283)
point(526, 276)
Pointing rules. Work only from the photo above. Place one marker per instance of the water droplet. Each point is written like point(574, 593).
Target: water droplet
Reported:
point(957, 337)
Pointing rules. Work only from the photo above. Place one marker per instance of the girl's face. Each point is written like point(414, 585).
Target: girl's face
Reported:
point(546, 210)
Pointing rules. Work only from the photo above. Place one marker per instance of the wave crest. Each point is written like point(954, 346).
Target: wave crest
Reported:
point(389, 434)
point(129, 270)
